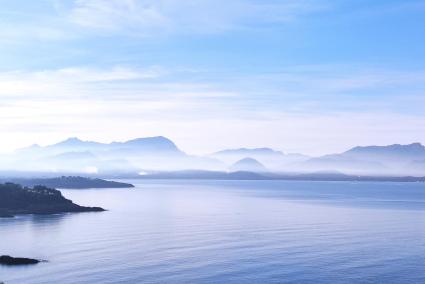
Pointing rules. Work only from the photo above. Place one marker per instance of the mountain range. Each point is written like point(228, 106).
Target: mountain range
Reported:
point(153, 154)
point(77, 156)
point(377, 160)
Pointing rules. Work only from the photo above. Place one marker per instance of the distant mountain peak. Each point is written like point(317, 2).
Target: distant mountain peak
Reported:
point(71, 141)
point(248, 164)
point(417, 145)
point(156, 143)
point(154, 139)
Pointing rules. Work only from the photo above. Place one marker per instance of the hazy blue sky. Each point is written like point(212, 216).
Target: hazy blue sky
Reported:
point(310, 76)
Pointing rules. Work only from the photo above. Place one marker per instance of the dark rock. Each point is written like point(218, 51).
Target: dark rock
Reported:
point(8, 260)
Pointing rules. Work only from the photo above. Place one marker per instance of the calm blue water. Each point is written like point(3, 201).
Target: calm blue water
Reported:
point(227, 232)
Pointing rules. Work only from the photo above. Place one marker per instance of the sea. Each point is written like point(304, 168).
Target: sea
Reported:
point(198, 231)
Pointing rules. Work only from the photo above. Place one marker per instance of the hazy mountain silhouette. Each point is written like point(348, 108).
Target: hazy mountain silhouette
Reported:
point(85, 155)
point(77, 156)
point(157, 144)
point(272, 159)
point(150, 144)
point(248, 151)
point(248, 165)
point(392, 159)
point(394, 152)
point(74, 156)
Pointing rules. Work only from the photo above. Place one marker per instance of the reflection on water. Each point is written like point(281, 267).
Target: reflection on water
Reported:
point(227, 232)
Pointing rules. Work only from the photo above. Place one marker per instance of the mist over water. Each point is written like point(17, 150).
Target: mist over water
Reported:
point(227, 232)
point(159, 154)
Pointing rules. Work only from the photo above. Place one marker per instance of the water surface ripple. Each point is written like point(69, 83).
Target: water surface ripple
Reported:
point(227, 232)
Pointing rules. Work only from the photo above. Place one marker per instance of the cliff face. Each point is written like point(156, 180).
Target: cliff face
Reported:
point(15, 199)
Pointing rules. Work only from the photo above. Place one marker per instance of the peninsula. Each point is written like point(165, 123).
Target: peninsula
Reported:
point(69, 182)
point(16, 199)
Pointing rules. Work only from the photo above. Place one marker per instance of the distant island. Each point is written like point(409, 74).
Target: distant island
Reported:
point(203, 175)
point(245, 175)
point(69, 182)
point(16, 199)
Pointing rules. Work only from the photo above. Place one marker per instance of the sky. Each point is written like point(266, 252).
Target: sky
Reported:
point(307, 76)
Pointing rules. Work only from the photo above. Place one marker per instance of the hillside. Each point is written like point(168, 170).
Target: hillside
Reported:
point(16, 199)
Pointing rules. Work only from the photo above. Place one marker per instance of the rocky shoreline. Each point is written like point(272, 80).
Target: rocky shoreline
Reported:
point(16, 199)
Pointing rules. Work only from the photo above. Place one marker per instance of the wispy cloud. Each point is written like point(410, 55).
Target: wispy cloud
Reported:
point(202, 16)
point(196, 70)
point(65, 20)
point(118, 15)
point(335, 88)
point(84, 101)
point(116, 81)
